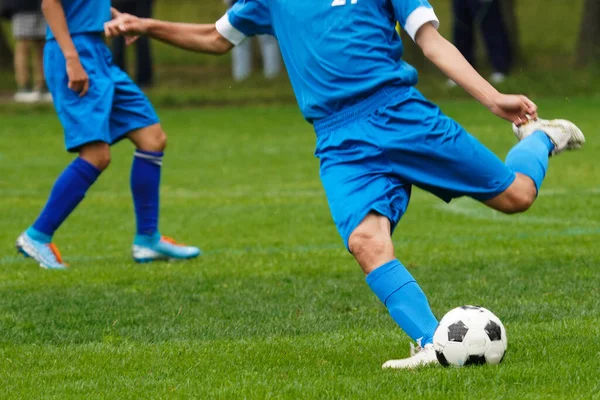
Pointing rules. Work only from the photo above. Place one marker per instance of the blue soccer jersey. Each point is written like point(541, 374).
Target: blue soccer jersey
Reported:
point(84, 16)
point(337, 52)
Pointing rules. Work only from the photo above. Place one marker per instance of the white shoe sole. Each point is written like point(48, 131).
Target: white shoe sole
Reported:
point(144, 255)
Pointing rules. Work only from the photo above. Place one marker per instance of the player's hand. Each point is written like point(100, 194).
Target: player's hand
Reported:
point(517, 109)
point(114, 13)
point(78, 79)
point(126, 25)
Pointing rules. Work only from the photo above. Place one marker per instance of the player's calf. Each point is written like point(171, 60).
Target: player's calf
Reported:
point(538, 139)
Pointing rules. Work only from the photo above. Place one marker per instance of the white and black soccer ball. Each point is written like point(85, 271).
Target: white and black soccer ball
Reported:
point(470, 335)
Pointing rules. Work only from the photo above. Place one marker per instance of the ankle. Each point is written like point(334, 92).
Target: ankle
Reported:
point(147, 240)
point(546, 139)
point(38, 236)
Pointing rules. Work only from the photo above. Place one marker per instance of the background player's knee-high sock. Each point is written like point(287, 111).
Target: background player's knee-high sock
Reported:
point(530, 157)
point(145, 184)
point(68, 191)
point(405, 300)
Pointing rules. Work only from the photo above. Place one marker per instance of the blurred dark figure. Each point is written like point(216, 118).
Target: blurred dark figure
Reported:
point(488, 15)
point(144, 70)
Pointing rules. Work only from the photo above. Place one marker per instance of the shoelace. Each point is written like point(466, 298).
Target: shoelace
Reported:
point(524, 123)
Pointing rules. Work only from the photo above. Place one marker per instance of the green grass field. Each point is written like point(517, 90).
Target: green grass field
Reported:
point(276, 308)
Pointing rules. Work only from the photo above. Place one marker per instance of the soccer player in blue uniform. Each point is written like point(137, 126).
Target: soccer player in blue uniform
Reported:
point(376, 134)
point(98, 105)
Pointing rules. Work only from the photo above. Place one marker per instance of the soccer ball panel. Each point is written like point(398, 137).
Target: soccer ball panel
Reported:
point(493, 330)
point(442, 359)
point(455, 354)
point(495, 352)
point(476, 342)
point(457, 331)
point(475, 360)
point(493, 327)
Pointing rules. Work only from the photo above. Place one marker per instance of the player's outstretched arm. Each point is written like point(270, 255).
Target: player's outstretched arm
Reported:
point(203, 38)
point(515, 108)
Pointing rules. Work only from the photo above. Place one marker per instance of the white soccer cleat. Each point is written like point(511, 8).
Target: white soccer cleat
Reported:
point(46, 254)
point(419, 357)
point(564, 134)
point(145, 251)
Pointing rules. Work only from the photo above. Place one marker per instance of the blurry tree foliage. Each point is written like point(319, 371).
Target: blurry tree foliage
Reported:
point(588, 48)
point(6, 55)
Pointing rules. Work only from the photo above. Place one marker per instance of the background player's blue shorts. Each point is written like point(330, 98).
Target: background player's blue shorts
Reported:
point(114, 105)
point(372, 153)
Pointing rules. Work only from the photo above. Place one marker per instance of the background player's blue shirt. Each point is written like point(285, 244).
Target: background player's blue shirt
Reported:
point(337, 52)
point(84, 16)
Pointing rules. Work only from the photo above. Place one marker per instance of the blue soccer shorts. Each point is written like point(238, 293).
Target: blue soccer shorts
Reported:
point(373, 152)
point(114, 105)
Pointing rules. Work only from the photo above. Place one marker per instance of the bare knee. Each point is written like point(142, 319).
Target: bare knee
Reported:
point(371, 245)
point(519, 202)
point(97, 154)
point(151, 138)
point(518, 198)
point(157, 141)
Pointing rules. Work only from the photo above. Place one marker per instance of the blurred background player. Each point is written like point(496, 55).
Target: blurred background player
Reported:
point(487, 15)
point(97, 113)
point(144, 75)
point(29, 32)
point(241, 56)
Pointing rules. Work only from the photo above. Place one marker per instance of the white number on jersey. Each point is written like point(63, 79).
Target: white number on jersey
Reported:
point(342, 2)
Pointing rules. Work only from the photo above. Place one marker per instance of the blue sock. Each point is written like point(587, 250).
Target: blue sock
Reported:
point(145, 185)
point(530, 157)
point(68, 191)
point(405, 300)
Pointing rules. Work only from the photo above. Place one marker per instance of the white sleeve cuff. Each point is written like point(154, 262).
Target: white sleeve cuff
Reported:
point(419, 17)
point(229, 31)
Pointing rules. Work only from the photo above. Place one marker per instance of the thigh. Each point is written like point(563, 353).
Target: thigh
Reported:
point(432, 151)
point(84, 119)
point(357, 181)
point(131, 109)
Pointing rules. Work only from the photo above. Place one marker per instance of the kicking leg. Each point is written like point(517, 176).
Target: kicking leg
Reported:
point(68, 191)
point(372, 246)
point(529, 160)
point(149, 245)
